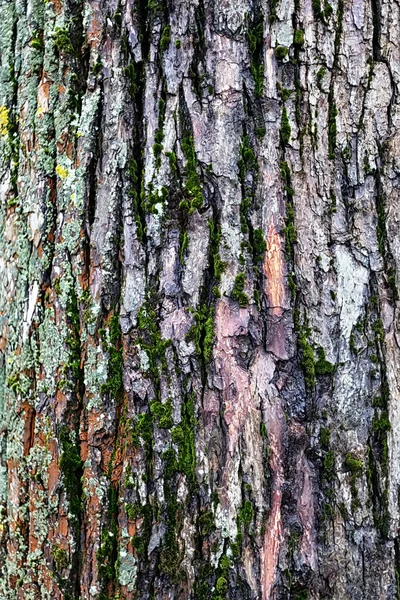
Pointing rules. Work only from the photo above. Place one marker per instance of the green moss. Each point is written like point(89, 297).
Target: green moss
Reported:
point(255, 42)
point(298, 39)
point(217, 265)
point(193, 187)
point(298, 592)
point(260, 132)
point(281, 52)
point(322, 366)
point(283, 93)
point(307, 360)
point(381, 225)
point(140, 541)
point(238, 290)
point(328, 11)
point(325, 438)
point(317, 8)
point(178, 44)
point(152, 197)
point(150, 339)
point(377, 328)
point(98, 67)
point(132, 74)
point(163, 413)
point(172, 161)
point(329, 466)
point(246, 515)
point(183, 246)
point(224, 563)
point(292, 285)
point(165, 39)
point(60, 558)
point(323, 12)
point(272, 7)
point(248, 161)
point(104, 556)
point(133, 511)
point(221, 585)
point(71, 468)
point(37, 41)
point(381, 423)
point(259, 245)
point(202, 332)
point(107, 554)
point(333, 205)
point(244, 214)
point(62, 41)
point(289, 231)
point(285, 129)
point(139, 544)
point(285, 171)
point(207, 523)
point(114, 385)
point(355, 467)
point(143, 430)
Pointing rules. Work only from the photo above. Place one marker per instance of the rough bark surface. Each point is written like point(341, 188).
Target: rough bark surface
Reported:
point(199, 327)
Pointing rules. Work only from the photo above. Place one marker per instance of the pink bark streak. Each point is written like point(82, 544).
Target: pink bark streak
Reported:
point(273, 534)
point(274, 269)
point(274, 289)
point(229, 323)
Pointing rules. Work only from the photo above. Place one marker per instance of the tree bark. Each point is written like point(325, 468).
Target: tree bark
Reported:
point(199, 322)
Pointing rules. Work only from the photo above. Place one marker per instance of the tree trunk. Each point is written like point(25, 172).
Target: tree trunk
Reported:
point(199, 346)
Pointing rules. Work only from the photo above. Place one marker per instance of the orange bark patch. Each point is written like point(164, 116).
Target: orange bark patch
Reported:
point(117, 466)
point(43, 96)
point(95, 29)
point(274, 269)
point(54, 471)
point(61, 403)
point(3, 338)
point(29, 427)
point(272, 542)
point(57, 5)
point(63, 525)
point(84, 445)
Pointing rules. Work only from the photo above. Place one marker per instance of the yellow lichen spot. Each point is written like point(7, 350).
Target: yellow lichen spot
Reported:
point(40, 111)
point(4, 120)
point(61, 171)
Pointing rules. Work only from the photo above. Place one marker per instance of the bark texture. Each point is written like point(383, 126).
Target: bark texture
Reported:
point(199, 327)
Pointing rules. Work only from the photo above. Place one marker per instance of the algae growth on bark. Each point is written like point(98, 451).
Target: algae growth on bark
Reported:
point(199, 327)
